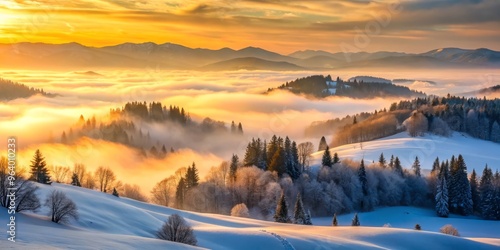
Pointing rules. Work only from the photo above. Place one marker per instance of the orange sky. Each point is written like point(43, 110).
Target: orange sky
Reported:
point(278, 25)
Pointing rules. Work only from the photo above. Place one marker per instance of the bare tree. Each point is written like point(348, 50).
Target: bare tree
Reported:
point(25, 198)
point(60, 173)
point(105, 178)
point(133, 192)
point(305, 150)
point(61, 208)
point(163, 191)
point(176, 229)
point(88, 181)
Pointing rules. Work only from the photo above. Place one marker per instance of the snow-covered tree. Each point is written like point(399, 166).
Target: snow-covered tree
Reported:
point(308, 218)
point(474, 190)
point(281, 214)
point(355, 220)
point(336, 158)
point(299, 214)
point(442, 197)
point(487, 194)
point(335, 221)
point(240, 210)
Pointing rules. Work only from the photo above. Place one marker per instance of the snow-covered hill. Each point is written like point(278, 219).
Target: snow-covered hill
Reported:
point(477, 153)
point(108, 222)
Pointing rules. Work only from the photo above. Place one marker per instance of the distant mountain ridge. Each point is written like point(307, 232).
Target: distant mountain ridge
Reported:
point(174, 56)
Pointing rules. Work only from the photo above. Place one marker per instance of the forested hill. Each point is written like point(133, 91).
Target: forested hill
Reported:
point(10, 90)
point(439, 115)
point(320, 86)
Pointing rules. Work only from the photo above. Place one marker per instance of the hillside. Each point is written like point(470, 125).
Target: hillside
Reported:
point(121, 223)
point(251, 63)
point(10, 90)
point(320, 86)
point(477, 153)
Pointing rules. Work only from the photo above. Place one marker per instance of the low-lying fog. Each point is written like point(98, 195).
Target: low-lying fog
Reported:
point(224, 96)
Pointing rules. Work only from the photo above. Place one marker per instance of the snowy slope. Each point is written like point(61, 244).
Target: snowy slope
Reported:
point(108, 222)
point(477, 153)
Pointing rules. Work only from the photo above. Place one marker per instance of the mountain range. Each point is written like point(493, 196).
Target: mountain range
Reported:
point(174, 56)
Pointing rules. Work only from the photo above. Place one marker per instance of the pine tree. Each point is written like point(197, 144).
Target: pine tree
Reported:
point(381, 160)
point(416, 167)
point(435, 166)
point(336, 158)
point(233, 167)
point(240, 129)
point(362, 178)
point(271, 150)
point(263, 157)
point(327, 158)
point(355, 220)
point(391, 162)
point(322, 144)
point(487, 194)
point(179, 193)
point(474, 189)
point(299, 215)
point(460, 190)
point(75, 180)
point(39, 170)
point(64, 139)
point(192, 178)
point(334, 221)
point(308, 218)
point(278, 162)
point(281, 214)
point(442, 196)
point(294, 172)
point(397, 167)
point(233, 128)
point(115, 193)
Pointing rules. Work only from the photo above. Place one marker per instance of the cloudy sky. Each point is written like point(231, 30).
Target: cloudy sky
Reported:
point(280, 25)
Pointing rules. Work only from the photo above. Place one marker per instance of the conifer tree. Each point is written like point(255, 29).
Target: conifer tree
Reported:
point(435, 166)
point(336, 158)
point(281, 214)
point(327, 158)
point(487, 194)
point(334, 221)
point(355, 220)
point(362, 178)
point(179, 193)
point(115, 193)
point(75, 180)
point(416, 167)
point(192, 178)
point(397, 167)
point(381, 160)
point(233, 167)
point(240, 129)
point(308, 218)
point(322, 144)
point(474, 190)
point(442, 196)
point(299, 215)
point(38, 169)
point(278, 162)
point(294, 170)
point(391, 162)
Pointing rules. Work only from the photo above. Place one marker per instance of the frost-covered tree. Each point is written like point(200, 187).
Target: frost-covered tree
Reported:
point(397, 167)
point(308, 218)
point(281, 214)
point(327, 158)
point(61, 208)
point(460, 190)
point(362, 178)
point(442, 196)
point(355, 220)
point(299, 214)
point(305, 150)
point(335, 221)
point(240, 210)
point(176, 229)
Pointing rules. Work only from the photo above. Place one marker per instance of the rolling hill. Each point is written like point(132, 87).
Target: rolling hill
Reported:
point(251, 63)
point(108, 222)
